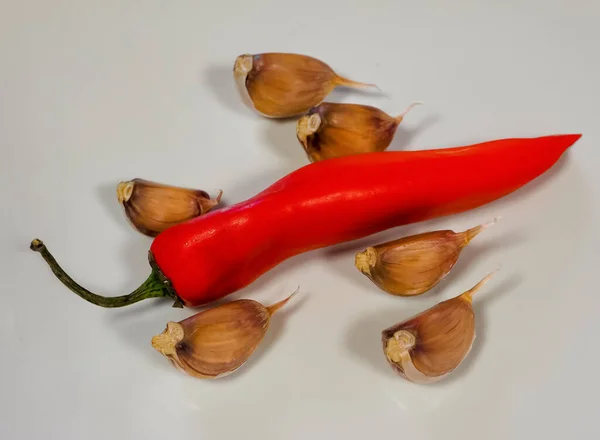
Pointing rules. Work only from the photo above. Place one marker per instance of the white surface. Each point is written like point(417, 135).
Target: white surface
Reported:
point(92, 93)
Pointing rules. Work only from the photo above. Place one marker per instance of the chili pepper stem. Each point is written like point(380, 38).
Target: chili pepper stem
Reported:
point(156, 286)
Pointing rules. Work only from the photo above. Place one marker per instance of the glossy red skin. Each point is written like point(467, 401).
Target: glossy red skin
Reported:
point(338, 200)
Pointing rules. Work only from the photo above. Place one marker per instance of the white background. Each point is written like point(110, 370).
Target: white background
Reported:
point(94, 92)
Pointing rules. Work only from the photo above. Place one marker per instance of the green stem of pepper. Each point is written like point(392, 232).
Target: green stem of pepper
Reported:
point(156, 286)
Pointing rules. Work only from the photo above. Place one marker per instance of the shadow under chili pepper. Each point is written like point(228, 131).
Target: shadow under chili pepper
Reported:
point(351, 247)
point(345, 251)
point(279, 272)
point(252, 185)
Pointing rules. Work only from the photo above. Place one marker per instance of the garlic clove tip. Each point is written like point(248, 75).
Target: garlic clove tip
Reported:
point(412, 105)
point(345, 82)
point(468, 295)
point(471, 233)
point(219, 195)
point(278, 305)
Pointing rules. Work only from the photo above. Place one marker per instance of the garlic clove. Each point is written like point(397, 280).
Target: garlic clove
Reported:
point(429, 346)
point(413, 265)
point(217, 341)
point(152, 207)
point(282, 85)
point(332, 130)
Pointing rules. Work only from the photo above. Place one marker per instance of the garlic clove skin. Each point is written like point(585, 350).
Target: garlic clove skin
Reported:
point(152, 207)
point(429, 346)
point(333, 130)
point(241, 69)
point(283, 85)
point(414, 265)
point(216, 342)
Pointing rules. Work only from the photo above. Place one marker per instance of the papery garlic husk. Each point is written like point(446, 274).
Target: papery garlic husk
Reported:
point(152, 207)
point(429, 346)
point(217, 341)
point(282, 85)
point(413, 265)
point(332, 130)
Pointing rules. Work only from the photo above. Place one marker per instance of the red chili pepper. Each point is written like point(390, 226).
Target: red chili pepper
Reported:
point(326, 203)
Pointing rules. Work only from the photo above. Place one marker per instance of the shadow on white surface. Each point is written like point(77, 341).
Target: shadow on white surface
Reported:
point(279, 135)
point(341, 259)
point(137, 324)
point(472, 253)
point(134, 257)
point(363, 338)
point(405, 135)
point(279, 322)
point(497, 206)
point(219, 80)
point(134, 254)
point(253, 184)
point(276, 282)
point(107, 193)
point(347, 94)
point(480, 306)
